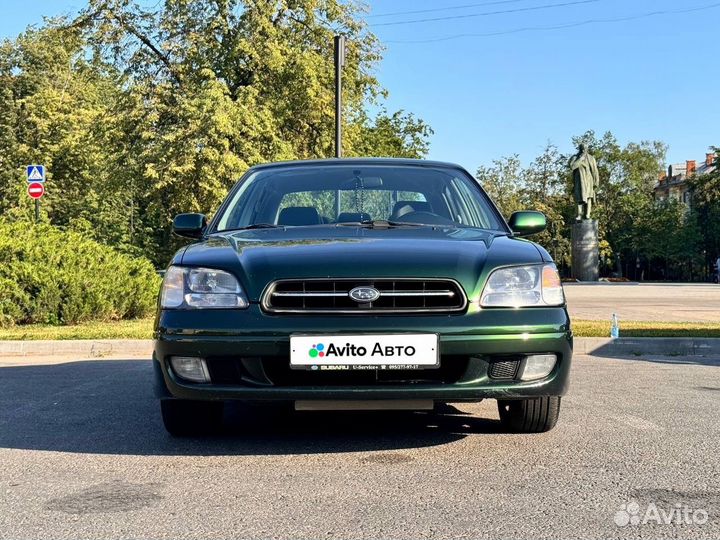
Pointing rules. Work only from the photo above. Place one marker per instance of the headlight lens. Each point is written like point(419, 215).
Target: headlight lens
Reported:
point(522, 286)
point(189, 288)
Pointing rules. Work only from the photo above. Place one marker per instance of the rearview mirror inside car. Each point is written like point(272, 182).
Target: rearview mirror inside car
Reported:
point(527, 222)
point(189, 225)
point(364, 182)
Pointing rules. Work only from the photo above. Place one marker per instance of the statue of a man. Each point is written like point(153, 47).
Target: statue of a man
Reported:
point(585, 179)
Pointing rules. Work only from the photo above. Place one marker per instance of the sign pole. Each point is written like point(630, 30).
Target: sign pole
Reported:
point(339, 42)
point(36, 186)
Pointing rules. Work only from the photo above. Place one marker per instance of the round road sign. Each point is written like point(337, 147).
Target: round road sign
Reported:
point(36, 190)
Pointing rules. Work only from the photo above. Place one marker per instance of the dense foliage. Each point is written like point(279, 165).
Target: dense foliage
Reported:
point(706, 208)
point(52, 276)
point(144, 110)
point(640, 237)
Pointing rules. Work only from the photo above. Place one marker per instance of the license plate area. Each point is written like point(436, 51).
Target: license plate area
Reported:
point(364, 351)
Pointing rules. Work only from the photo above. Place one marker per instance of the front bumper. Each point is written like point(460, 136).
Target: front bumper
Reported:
point(472, 341)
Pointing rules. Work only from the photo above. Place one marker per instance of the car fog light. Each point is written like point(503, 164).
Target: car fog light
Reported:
point(538, 366)
point(190, 368)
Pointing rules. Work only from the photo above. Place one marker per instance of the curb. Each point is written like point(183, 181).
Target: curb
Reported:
point(647, 346)
point(143, 347)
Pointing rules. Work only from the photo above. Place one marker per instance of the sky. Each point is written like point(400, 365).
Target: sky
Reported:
point(489, 88)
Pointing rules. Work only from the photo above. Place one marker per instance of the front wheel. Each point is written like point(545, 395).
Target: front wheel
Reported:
point(534, 415)
point(184, 418)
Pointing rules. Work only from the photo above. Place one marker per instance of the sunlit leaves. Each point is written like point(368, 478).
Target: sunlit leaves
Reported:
point(144, 110)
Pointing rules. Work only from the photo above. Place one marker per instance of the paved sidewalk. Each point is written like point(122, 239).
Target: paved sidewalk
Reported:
point(671, 302)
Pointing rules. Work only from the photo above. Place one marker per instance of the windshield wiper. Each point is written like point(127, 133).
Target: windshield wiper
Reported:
point(253, 226)
point(381, 224)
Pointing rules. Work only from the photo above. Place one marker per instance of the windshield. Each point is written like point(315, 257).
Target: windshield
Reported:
point(297, 196)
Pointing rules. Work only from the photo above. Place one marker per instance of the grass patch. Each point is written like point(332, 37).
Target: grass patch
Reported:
point(129, 329)
point(142, 329)
point(647, 329)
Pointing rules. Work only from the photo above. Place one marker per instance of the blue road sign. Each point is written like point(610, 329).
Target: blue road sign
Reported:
point(36, 173)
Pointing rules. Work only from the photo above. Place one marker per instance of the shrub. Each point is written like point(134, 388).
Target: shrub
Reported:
point(59, 277)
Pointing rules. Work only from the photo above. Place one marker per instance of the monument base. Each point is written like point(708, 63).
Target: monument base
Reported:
point(585, 254)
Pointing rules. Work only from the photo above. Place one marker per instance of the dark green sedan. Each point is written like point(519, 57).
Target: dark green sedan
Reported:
point(361, 284)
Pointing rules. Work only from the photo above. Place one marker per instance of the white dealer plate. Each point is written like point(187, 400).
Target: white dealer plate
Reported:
point(383, 351)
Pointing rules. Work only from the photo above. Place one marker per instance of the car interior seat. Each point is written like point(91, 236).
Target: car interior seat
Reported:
point(299, 215)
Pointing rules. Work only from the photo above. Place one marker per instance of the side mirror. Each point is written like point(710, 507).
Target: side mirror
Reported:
point(189, 225)
point(527, 222)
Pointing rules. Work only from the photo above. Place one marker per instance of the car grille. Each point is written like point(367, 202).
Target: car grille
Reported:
point(504, 369)
point(333, 296)
point(276, 371)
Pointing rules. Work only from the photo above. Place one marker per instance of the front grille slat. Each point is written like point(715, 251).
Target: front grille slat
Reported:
point(308, 294)
point(416, 293)
point(327, 295)
point(504, 369)
point(450, 371)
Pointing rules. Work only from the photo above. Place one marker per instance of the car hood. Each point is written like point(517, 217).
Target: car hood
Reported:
point(258, 257)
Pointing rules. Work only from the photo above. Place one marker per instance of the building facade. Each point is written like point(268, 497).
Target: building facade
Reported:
point(674, 184)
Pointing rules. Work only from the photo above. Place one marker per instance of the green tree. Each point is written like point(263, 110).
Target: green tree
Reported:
point(540, 186)
point(144, 111)
point(667, 239)
point(503, 182)
point(57, 109)
point(706, 211)
point(397, 135)
point(220, 86)
point(624, 198)
point(627, 177)
point(544, 190)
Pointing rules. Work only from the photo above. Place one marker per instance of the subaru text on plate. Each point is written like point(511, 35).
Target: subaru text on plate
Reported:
point(361, 284)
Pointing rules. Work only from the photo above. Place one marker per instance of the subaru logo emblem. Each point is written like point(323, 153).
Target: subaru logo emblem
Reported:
point(364, 294)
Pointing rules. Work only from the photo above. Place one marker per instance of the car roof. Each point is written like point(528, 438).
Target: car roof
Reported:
point(358, 161)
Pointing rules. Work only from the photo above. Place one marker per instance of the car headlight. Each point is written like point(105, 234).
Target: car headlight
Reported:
point(191, 288)
point(523, 286)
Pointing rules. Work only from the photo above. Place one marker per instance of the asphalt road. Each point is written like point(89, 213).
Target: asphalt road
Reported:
point(83, 455)
point(667, 302)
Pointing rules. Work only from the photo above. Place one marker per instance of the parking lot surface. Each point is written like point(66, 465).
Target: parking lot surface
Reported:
point(83, 455)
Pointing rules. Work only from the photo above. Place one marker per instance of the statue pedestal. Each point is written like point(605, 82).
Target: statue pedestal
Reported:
point(585, 253)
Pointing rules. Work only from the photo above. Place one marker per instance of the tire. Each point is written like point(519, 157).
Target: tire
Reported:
point(183, 418)
point(535, 415)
